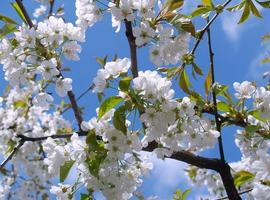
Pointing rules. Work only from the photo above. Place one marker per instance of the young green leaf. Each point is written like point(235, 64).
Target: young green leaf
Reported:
point(185, 194)
point(124, 84)
point(85, 197)
point(64, 169)
point(19, 11)
point(245, 13)
point(174, 4)
point(188, 27)
point(7, 19)
point(200, 11)
point(236, 7)
point(222, 106)
point(7, 29)
point(265, 4)
point(197, 69)
point(119, 119)
point(243, 177)
point(108, 104)
point(208, 3)
point(184, 82)
point(254, 10)
point(208, 82)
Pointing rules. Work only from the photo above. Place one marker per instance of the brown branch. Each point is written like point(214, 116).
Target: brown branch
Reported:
point(190, 158)
point(228, 182)
point(51, 8)
point(225, 170)
point(132, 48)
point(79, 97)
point(242, 192)
point(70, 94)
point(217, 165)
point(14, 151)
point(75, 108)
point(212, 68)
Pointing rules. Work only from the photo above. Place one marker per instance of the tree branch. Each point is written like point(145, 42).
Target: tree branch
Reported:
point(70, 94)
point(212, 68)
point(79, 97)
point(132, 48)
point(242, 192)
point(51, 8)
point(14, 151)
point(225, 170)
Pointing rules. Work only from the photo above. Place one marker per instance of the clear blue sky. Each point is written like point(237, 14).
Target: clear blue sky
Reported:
point(237, 48)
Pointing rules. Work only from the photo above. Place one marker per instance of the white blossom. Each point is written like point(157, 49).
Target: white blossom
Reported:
point(63, 86)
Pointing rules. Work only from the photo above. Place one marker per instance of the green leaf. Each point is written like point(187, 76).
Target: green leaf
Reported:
point(254, 10)
point(256, 114)
point(265, 60)
point(19, 104)
point(178, 195)
point(188, 27)
point(243, 177)
point(200, 11)
point(197, 69)
point(220, 89)
point(119, 119)
point(208, 3)
point(102, 61)
point(236, 7)
point(185, 194)
point(7, 29)
point(245, 13)
point(7, 19)
point(108, 104)
point(174, 4)
point(19, 11)
point(252, 128)
point(95, 160)
point(85, 197)
point(92, 142)
point(124, 84)
point(222, 106)
point(64, 169)
point(184, 82)
point(265, 4)
point(97, 153)
point(208, 82)
point(170, 71)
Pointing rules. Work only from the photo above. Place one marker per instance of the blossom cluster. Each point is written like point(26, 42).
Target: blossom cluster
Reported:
point(169, 121)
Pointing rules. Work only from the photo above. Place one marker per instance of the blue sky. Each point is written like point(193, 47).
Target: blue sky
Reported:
point(237, 48)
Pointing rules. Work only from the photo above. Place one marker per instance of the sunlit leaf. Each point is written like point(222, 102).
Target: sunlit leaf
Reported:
point(19, 11)
point(64, 169)
point(108, 104)
point(208, 82)
point(243, 177)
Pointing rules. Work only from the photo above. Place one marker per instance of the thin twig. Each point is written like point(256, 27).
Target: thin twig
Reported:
point(212, 68)
point(206, 27)
point(225, 174)
point(51, 8)
point(14, 151)
point(79, 97)
point(240, 193)
point(70, 94)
